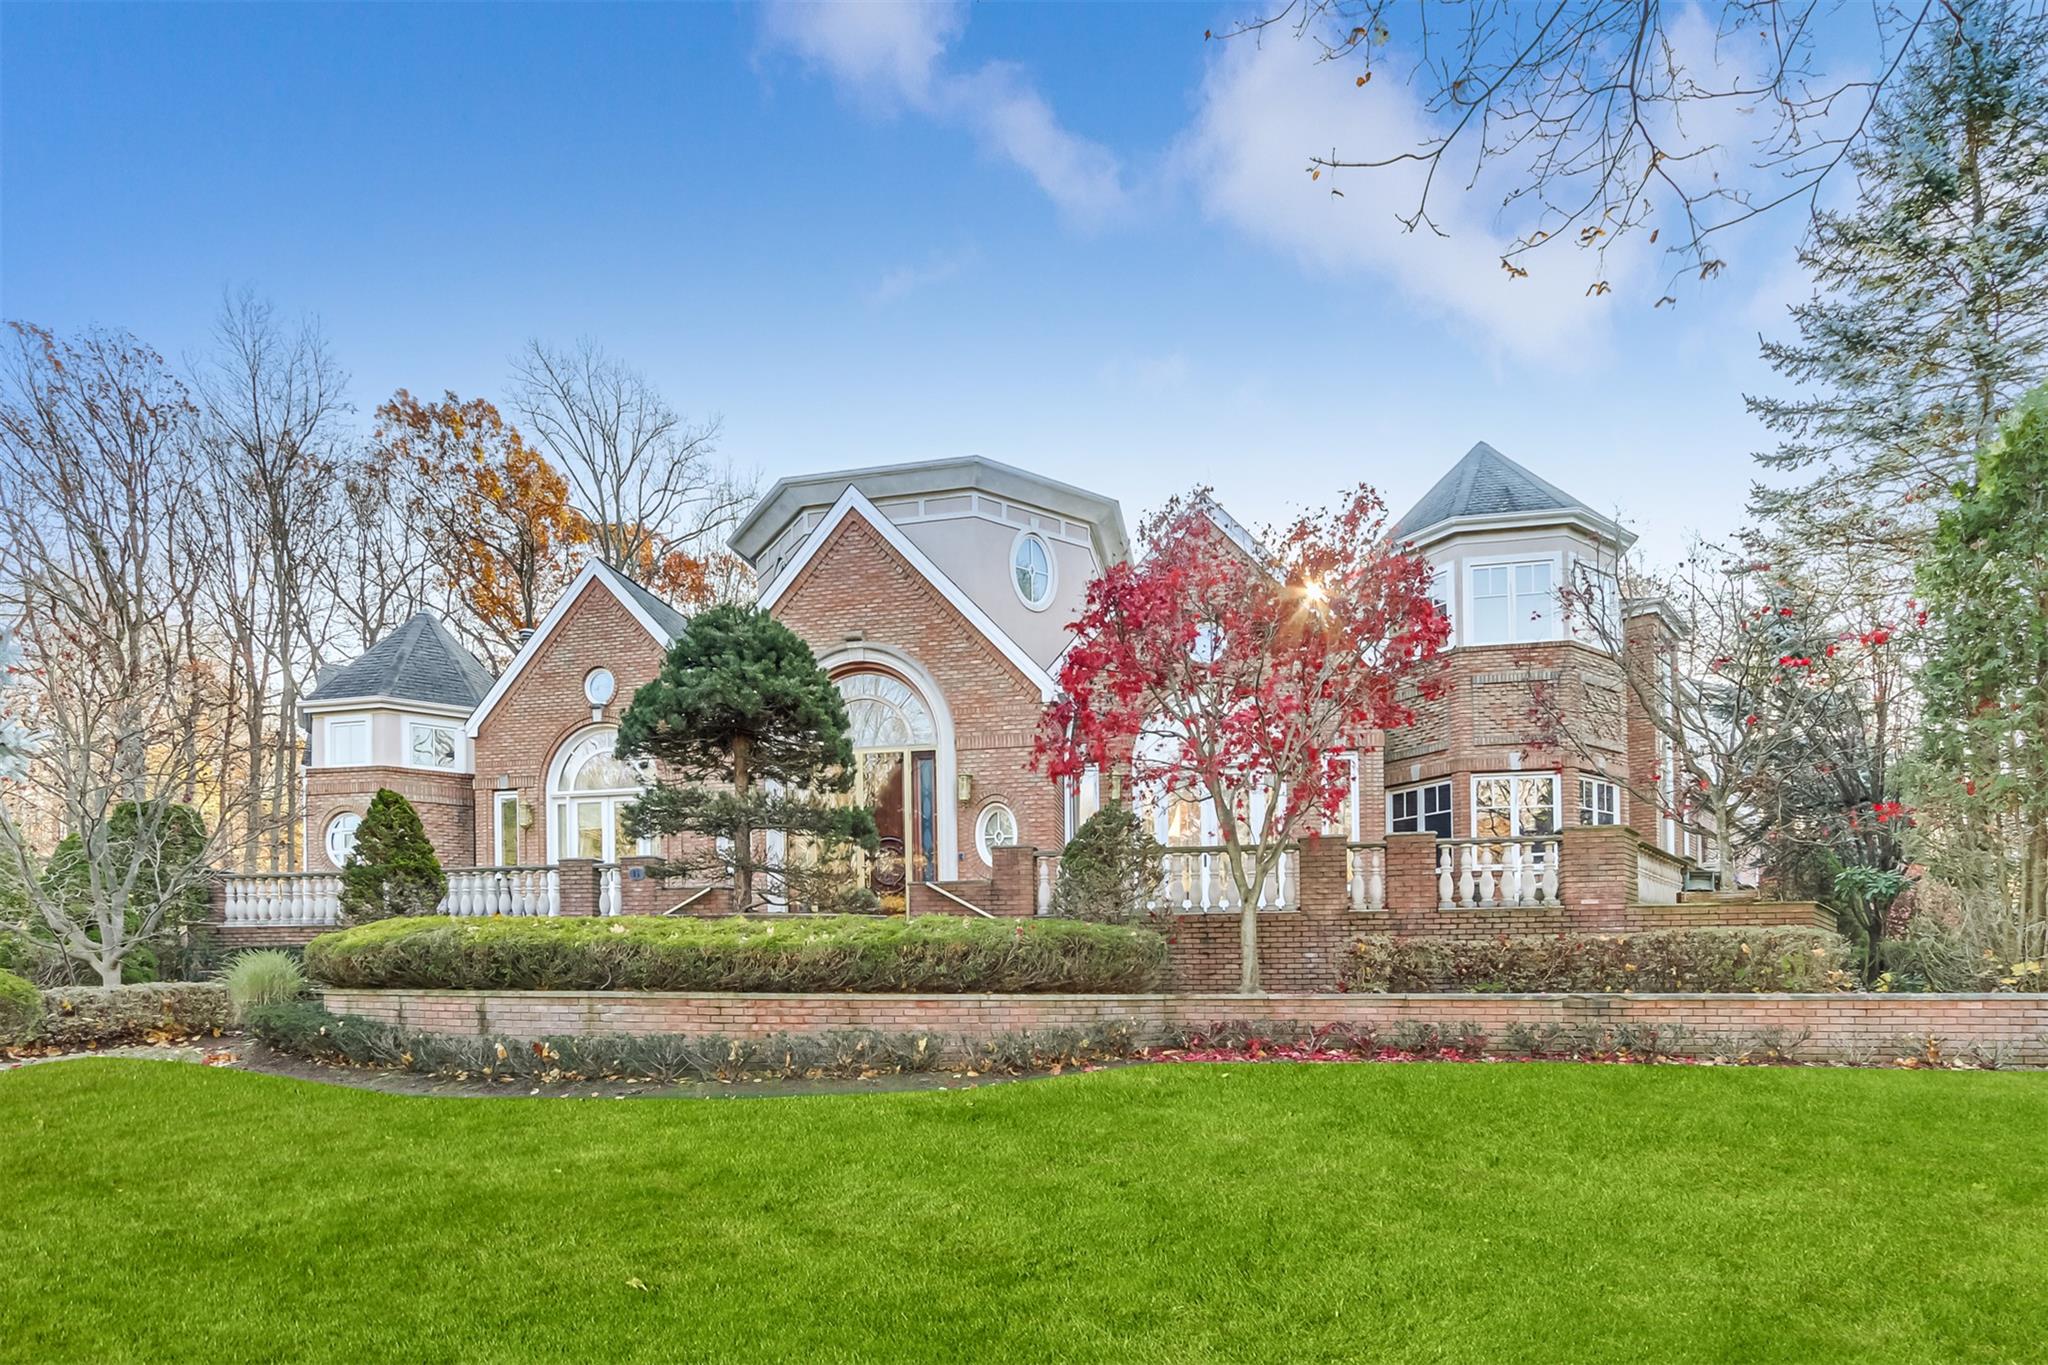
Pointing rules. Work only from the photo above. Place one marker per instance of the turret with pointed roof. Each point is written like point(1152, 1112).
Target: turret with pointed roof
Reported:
point(419, 662)
point(1486, 488)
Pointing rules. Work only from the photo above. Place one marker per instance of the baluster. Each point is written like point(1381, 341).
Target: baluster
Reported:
point(1354, 879)
point(554, 891)
point(1511, 876)
point(254, 903)
point(330, 900)
point(1551, 853)
point(1376, 884)
point(1443, 877)
point(1045, 886)
point(1468, 874)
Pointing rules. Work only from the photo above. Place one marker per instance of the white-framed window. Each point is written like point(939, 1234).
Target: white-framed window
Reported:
point(1032, 570)
point(1514, 805)
point(1441, 592)
point(995, 828)
point(599, 687)
point(1420, 810)
point(1510, 602)
point(589, 788)
point(1344, 821)
point(429, 744)
point(348, 744)
point(1084, 798)
point(1599, 802)
point(341, 836)
point(505, 828)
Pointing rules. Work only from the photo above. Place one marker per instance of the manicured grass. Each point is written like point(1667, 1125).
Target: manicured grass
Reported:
point(1414, 1213)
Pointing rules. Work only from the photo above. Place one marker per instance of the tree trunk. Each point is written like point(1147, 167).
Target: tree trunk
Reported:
point(1248, 948)
point(742, 831)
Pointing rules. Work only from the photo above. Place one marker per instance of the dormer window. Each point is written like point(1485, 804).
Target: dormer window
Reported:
point(1031, 570)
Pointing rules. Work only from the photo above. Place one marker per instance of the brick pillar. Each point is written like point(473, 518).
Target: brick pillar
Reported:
point(1325, 871)
point(1596, 874)
point(1411, 873)
point(1016, 880)
point(577, 879)
point(1650, 657)
point(1372, 788)
point(640, 892)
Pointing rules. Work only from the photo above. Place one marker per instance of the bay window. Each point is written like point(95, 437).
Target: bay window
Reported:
point(1511, 602)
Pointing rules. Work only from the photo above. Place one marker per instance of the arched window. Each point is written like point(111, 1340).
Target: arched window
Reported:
point(896, 773)
point(1031, 570)
point(341, 836)
point(589, 789)
point(885, 712)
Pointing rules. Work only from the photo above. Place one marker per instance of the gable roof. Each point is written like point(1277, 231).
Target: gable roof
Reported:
point(853, 502)
point(661, 621)
point(420, 661)
point(1488, 484)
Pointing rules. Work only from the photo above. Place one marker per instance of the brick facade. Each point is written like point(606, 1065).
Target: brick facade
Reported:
point(442, 800)
point(1835, 1027)
point(857, 590)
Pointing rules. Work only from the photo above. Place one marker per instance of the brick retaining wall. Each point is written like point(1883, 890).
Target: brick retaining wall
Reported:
point(1840, 1027)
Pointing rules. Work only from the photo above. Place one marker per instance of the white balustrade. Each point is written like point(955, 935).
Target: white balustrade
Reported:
point(1497, 874)
point(1047, 872)
point(520, 891)
point(1199, 881)
point(608, 901)
point(282, 898)
point(1366, 877)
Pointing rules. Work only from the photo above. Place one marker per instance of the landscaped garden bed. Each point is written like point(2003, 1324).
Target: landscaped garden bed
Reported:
point(1741, 960)
point(934, 954)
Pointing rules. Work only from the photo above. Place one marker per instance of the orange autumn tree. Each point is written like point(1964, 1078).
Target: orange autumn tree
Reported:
point(495, 514)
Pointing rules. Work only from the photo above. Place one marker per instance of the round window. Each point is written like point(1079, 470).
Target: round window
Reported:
point(1031, 569)
point(599, 687)
point(341, 836)
point(997, 828)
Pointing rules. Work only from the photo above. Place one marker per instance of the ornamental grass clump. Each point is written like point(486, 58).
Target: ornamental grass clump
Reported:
point(829, 953)
point(267, 976)
point(1697, 960)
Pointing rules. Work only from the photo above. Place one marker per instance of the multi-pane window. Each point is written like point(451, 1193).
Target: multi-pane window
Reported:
point(506, 850)
point(1514, 805)
point(1421, 810)
point(430, 746)
point(1599, 803)
point(1512, 602)
point(348, 744)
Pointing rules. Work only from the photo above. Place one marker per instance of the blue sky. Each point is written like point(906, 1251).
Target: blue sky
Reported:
point(1075, 239)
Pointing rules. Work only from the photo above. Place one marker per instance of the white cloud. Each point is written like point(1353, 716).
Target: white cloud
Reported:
point(908, 279)
point(1263, 110)
point(890, 54)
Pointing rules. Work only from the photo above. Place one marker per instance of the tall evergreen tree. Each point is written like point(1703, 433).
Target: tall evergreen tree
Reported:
point(741, 702)
point(392, 870)
point(1931, 315)
point(1985, 683)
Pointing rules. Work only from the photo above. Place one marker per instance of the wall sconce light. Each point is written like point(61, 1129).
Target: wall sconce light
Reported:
point(966, 787)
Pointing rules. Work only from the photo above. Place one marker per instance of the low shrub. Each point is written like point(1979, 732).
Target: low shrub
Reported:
point(1108, 868)
point(104, 1016)
point(832, 953)
point(1730, 960)
point(21, 1009)
point(306, 1030)
point(265, 976)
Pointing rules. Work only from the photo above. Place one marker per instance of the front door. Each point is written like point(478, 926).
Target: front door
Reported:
point(900, 787)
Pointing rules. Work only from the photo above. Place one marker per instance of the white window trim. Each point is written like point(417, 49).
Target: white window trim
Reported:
point(1556, 562)
point(1556, 800)
point(1614, 800)
point(359, 724)
point(1446, 575)
point(499, 853)
point(1351, 834)
point(1052, 569)
point(1449, 799)
point(412, 725)
point(327, 835)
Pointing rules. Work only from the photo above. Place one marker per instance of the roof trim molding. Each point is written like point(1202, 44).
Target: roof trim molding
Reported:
point(382, 701)
point(1599, 527)
point(596, 570)
point(853, 502)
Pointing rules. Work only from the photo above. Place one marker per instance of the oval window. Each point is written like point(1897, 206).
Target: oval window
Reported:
point(599, 687)
point(997, 828)
point(1031, 569)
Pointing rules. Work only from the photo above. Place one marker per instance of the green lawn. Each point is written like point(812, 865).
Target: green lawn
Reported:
point(1412, 1212)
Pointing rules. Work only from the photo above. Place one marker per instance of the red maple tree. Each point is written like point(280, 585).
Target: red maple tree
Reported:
point(1242, 673)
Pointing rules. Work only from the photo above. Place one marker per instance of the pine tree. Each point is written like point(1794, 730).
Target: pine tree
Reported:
point(740, 702)
point(1931, 315)
point(1985, 682)
point(392, 869)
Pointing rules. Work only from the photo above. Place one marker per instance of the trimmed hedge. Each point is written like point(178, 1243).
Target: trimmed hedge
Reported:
point(307, 1030)
point(1723, 960)
point(935, 954)
point(103, 1016)
point(21, 1009)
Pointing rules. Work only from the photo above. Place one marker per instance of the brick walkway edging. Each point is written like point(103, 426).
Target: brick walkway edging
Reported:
point(2014, 1028)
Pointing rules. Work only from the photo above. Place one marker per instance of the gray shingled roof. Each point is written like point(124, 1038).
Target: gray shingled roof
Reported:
point(1486, 483)
point(665, 616)
point(420, 661)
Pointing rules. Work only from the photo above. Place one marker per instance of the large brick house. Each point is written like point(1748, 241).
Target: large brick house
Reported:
point(935, 595)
